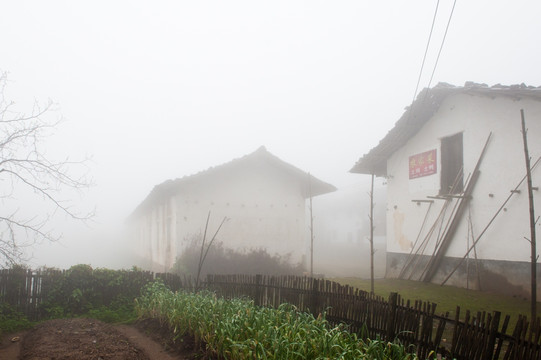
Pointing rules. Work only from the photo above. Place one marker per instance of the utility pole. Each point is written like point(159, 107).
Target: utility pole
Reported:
point(532, 222)
point(372, 235)
point(311, 228)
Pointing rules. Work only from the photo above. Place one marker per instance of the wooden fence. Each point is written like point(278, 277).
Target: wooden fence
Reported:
point(27, 291)
point(476, 336)
point(479, 336)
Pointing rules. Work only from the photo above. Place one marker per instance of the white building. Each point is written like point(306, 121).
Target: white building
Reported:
point(262, 196)
point(439, 207)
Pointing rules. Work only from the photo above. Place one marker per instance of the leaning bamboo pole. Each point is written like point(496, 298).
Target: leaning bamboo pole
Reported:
point(449, 235)
point(414, 258)
point(438, 224)
point(532, 220)
point(442, 234)
point(513, 192)
point(410, 255)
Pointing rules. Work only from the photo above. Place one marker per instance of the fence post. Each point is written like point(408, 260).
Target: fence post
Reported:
point(393, 301)
point(314, 301)
point(210, 285)
point(489, 351)
point(257, 299)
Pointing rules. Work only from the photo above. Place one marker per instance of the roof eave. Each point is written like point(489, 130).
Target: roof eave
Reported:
point(421, 110)
point(373, 168)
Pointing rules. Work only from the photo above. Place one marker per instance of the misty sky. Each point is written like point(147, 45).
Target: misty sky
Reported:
point(163, 89)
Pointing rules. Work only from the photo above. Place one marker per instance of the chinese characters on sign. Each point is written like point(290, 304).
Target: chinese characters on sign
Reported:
point(423, 164)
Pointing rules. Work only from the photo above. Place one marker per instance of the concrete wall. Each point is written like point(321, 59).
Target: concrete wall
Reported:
point(502, 168)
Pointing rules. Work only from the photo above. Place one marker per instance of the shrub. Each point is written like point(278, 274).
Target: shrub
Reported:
point(102, 293)
point(79, 291)
point(12, 320)
point(222, 260)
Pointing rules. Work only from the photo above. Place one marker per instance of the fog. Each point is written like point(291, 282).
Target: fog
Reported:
point(341, 224)
point(150, 91)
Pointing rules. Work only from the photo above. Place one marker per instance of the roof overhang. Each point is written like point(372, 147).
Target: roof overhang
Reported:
point(422, 110)
point(308, 184)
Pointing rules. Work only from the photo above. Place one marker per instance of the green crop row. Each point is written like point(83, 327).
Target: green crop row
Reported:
point(237, 329)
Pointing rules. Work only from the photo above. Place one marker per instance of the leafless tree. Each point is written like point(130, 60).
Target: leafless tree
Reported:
point(25, 168)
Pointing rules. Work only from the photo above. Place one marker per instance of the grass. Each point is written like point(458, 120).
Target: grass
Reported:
point(12, 320)
point(447, 298)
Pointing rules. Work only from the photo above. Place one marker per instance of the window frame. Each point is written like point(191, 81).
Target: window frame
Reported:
point(452, 164)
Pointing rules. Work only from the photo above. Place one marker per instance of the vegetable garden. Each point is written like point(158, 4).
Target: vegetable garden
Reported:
point(238, 329)
point(244, 316)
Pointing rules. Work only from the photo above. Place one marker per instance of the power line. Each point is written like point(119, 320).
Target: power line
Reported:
point(426, 51)
point(441, 47)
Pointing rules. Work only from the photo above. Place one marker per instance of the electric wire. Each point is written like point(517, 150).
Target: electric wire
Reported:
point(426, 50)
point(441, 47)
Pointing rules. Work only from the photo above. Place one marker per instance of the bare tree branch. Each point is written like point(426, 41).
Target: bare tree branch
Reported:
point(26, 168)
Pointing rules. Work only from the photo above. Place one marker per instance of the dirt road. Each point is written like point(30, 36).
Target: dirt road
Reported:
point(85, 339)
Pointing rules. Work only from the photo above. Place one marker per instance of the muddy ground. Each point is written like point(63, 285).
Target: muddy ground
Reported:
point(89, 339)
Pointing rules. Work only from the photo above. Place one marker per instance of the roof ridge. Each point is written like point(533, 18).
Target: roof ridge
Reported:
point(164, 189)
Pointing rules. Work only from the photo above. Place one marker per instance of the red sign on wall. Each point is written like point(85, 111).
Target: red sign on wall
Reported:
point(423, 164)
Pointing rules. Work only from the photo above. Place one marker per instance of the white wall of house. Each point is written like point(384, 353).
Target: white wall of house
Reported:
point(155, 232)
point(265, 210)
point(502, 167)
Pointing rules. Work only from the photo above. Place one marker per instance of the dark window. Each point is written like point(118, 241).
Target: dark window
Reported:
point(452, 163)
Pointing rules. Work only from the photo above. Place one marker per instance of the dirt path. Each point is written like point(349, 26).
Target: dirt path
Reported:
point(10, 350)
point(84, 339)
point(153, 349)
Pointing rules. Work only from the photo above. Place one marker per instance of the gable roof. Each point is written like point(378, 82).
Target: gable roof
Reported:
point(421, 110)
point(163, 191)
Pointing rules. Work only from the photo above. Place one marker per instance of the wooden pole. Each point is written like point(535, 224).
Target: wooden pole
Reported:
point(513, 192)
point(200, 264)
point(372, 235)
point(532, 221)
point(436, 260)
point(311, 228)
point(477, 269)
point(204, 252)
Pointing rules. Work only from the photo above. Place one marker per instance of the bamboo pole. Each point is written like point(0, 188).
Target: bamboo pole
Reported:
point(449, 235)
point(409, 259)
point(513, 192)
point(477, 269)
point(442, 234)
point(440, 220)
point(422, 247)
point(532, 221)
point(200, 264)
point(204, 252)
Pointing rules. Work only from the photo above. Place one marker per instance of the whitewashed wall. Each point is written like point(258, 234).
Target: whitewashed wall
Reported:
point(265, 210)
point(501, 170)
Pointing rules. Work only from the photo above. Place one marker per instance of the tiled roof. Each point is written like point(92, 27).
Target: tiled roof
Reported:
point(420, 111)
point(169, 188)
